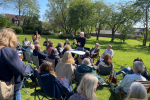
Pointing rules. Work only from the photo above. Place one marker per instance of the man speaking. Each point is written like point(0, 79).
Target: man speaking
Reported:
point(81, 42)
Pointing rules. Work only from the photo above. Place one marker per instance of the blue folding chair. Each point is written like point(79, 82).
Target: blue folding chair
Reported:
point(51, 88)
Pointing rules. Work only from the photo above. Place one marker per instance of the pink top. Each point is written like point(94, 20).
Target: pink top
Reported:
point(49, 50)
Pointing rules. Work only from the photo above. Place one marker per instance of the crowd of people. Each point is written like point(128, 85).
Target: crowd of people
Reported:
point(13, 68)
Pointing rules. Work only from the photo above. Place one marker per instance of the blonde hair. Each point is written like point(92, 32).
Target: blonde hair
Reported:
point(86, 61)
point(67, 47)
point(67, 55)
point(88, 86)
point(137, 90)
point(8, 38)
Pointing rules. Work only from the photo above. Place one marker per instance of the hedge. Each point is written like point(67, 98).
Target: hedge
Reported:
point(17, 29)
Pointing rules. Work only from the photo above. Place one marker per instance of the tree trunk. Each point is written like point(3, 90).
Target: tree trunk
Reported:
point(99, 28)
point(145, 37)
point(19, 14)
point(75, 32)
point(113, 35)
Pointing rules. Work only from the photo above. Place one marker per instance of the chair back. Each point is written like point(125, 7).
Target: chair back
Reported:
point(78, 76)
point(50, 85)
point(105, 70)
point(45, 52)
point(27, 56)
point(35, 60)
point(64, 70)
point(52, 61)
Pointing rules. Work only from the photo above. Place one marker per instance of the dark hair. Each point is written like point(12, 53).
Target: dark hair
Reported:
point(49, 45)
point(46, 37)
point(87, 53)
point(137, 59)
point(35, 32)
point(107, 59)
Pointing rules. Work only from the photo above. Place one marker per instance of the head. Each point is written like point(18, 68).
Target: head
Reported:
point(96, 45)
point(38, 47)
point(26, 39)
point(67, 47)
point(47, 39)
point(54, 52)
point(36, 42)
point(60, 44)
point(50, 45)
point(47, 67)
point(109, 47)
point(67, 55)
point(138, 67)
point(32, 47)
point(107, 59)
point(88, 86)
point(74, 40)
point(86, 61)
point(138, 91)
point(8, 38)
point(81, 34)
point(87, 53)
point(36, 32)
point(17, 38)
point(67, 40)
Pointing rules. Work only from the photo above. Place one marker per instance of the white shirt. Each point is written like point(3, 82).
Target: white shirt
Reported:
point(26, 43)
point(93, 51)
point(111, 52)
point(129, 79)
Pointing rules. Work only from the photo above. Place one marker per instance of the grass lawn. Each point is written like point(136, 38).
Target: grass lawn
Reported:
point(124, 54)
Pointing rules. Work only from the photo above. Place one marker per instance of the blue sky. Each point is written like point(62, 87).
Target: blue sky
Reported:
point(43, 8)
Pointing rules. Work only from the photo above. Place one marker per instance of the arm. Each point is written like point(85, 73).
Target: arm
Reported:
point(44, 44)
point(103, 53)
point(42, 55)
point(83, 43)
point(111, 54)
point(97, 51)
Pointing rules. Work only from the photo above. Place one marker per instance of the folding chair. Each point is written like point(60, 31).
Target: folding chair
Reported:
point(97, 57)
point(52, 61)
point(51, 88)
point(146, 84)
point(45, 52)
point(28, 57)
point(35, 61)
point(105, 72)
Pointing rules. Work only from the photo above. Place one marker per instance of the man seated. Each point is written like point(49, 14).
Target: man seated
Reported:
point(85, 67)
point(46, 42)
point(95, 50)
point(37, 52)
point(108, 50)
point(26, 43)
point(87, 55)
point(67, 42)
point(138, 68)
point(36, 42)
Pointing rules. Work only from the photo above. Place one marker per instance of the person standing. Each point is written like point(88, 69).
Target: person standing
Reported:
point(36, 36)
point(81, 42)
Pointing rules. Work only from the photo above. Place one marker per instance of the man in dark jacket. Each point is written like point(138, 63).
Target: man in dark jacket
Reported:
point(46, 42)
point(81, 42)
point(95, 50)
point(41, 55)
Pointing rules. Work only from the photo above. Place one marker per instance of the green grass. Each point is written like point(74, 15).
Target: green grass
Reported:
point(124, 54)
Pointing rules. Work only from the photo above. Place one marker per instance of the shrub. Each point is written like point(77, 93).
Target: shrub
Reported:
point(64, 36)
point(46, 33)
point(17, 29)
point(29, 32)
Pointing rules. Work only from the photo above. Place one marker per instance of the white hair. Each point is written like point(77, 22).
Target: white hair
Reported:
point(97, 44)
point(139, 66)
point(138, 91)
point(88, 86)
point(32, 47)
point(86, 61)
point(82, 33)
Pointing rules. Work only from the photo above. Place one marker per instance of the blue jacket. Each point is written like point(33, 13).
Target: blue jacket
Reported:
point(66, 43)
point(41, 56)
point(86, 69)
point(10, 64)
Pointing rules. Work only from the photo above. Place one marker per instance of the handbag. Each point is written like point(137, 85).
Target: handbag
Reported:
point(7, 88)
point(113, 78)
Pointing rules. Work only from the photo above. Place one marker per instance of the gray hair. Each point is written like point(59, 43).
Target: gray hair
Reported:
point(86, 61)
point(109, 45)
point(139, 66)
point(97, 44)
point(32, 47)
point(36, 42)
point(137, 90)
point(82, 33)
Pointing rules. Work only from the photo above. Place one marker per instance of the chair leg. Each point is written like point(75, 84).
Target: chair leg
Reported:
point(120, 94)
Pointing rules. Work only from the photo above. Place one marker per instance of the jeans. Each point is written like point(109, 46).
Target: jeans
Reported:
point(123, 69)
point(17, 95)
point(80, 48)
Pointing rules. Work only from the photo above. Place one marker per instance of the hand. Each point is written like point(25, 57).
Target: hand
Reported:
point(78, 43)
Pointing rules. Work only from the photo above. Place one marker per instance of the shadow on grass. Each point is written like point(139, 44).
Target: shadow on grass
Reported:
point(113, 95)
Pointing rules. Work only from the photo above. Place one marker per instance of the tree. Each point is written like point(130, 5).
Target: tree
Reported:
point(122, 14)
point(102, 11)
point(144, 6)
point(4, 22)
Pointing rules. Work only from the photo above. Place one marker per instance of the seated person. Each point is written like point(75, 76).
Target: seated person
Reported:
point(37, 52)
point(30, 50)
point(95, 50)
point(87, 55)
point(138, 68)
point(47, 68)
point(85, 67)
point(66, 48)
point(46, 42)
point(108, 50)
point(87, 88)
point(137, 92)
point(36, 42)
point(49, 47)
point(130, 71)
point(54, 55)
point(60, 48)
point(26, 43)
point(74, 44)
point(67, 42)
point(106, 62)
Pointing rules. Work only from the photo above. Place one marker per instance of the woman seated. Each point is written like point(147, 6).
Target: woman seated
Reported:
point(66, 48)
point(106, 62)
point(26, 43)
point(49, 47)
point(137, 92)
point(47, 68)
point(74, 44)
point(60, 48)
point(54, 55)
point(130, 71)
point(67, 42)
point(87, 88)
